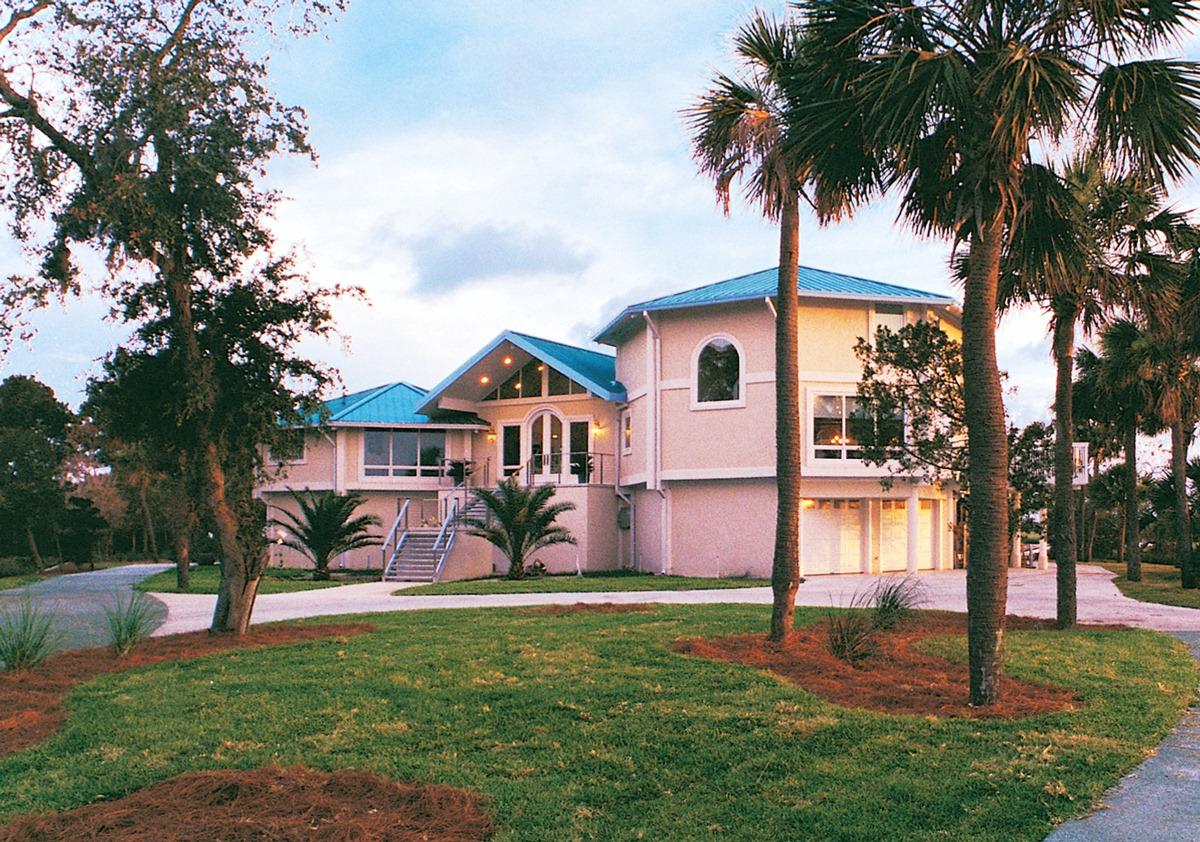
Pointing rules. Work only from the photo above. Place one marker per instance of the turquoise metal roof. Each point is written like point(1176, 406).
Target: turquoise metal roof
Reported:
point(595, 370)
point(392, 403)
point(810, 283)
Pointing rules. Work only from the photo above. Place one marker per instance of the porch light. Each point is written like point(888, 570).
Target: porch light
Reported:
point(485, 380)
point(598, 429)
point(491, 435)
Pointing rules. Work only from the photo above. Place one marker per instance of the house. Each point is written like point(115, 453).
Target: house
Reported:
point(665, 444)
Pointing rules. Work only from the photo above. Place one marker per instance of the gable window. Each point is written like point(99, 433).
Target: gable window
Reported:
point(718, 373)
point(535, 379)
point(403, 453)
point(841, 424)
point(627, 432)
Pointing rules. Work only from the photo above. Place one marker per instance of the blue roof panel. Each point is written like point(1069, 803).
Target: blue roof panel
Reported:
point(810, 282)
point(392, 403)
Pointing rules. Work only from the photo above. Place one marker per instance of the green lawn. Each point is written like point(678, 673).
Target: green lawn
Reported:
point(588, 726)
point(1160, 583)
point(206, 579)
point(10, 582)
point(587, 583)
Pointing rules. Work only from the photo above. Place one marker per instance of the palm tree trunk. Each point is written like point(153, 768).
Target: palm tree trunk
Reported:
point(1062, 525)
point(1133, 557)
point(785, 567)
point(987, 453)
point(1183, 514)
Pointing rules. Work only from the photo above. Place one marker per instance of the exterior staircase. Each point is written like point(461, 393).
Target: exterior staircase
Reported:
point(419, 557)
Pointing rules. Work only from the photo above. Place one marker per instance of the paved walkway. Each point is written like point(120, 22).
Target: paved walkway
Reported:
point(77, 601)
point(1031, 593)
point(1157, 800)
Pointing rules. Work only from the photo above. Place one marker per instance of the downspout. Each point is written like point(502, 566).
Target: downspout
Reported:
point(655, 461)
point(627, 499)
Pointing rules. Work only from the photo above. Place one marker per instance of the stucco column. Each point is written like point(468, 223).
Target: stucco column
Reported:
point(914, 528)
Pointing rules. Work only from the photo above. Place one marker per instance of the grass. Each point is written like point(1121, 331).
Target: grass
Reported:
point(588, 726)
point(612, 580)
point(205, 580)
point(1160, 583)
point(10, 582)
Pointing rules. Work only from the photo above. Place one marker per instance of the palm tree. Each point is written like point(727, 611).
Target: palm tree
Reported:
point(520, 522)
point(326, 527)
point(742, 130)
point(956, 101)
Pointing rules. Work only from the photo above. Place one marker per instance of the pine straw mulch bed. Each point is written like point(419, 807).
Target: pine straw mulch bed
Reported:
point(31, 700)
point(896, 678)
point(269, 803)
point(591, 608)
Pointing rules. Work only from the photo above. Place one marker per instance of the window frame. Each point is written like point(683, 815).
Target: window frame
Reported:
point(694, 385)
point(420, 472)
point(840, 466)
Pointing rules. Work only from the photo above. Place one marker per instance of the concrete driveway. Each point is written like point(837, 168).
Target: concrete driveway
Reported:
point(1031, 593)
point(77, 601)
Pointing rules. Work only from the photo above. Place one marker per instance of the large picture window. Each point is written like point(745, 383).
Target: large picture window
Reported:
point(403, 453)
point(841, 424)
point(718, 373)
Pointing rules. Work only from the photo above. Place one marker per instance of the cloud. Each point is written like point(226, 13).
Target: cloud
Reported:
point(450, 259)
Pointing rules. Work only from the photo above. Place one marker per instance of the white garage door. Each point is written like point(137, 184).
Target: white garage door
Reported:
point(893, 535)
point(831, 536)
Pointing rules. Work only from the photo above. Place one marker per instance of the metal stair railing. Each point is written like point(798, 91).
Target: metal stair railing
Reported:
point(394, 540)
point(445, 538)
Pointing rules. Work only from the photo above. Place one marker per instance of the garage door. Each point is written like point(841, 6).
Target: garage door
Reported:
point(893, 535)
point(831, 536)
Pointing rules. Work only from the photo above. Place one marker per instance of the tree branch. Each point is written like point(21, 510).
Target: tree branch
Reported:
point(19, 15)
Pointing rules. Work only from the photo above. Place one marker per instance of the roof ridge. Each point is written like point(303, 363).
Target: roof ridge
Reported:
point(563, 344)
point(705, 286)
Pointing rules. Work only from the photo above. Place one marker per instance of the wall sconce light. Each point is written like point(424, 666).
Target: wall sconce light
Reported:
point(491, 435)
point(598, 429)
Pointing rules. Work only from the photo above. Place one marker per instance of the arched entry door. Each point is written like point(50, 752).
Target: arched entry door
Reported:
point(545, 446)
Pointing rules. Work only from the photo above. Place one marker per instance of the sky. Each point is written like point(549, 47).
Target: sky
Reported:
point(519, 165)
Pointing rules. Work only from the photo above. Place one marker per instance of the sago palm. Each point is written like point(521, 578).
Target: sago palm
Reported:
point(521, 522)
point(742, 129)
point(957, 101)
point(326, 527)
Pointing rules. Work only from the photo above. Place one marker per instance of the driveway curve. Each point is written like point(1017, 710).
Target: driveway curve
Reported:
point(77, 601)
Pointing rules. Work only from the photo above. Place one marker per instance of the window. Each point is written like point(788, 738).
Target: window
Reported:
point(841, 424)
point(718, 373)
point(528, 383)
point(627, 432)
point(403, 453)
point(289, 449)
point(890, 316)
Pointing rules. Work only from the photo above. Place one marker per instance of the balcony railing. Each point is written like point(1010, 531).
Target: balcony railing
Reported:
point(575, 468)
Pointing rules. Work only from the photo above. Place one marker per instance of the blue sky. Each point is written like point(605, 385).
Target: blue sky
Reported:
point(517, 165)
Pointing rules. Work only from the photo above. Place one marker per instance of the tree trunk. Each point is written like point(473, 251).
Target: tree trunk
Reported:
point(33, 547)
point(1062, 524)
point(1183, 515)
point(239, 575)
point(183, 552)
point(987, 454)
point(785, 567)
point(1133, 555)
point(151, 538)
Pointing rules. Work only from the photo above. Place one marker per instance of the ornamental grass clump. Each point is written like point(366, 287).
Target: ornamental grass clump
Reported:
point(27, 636)
point(130, 621)
point(895, 599)
point(851, 635)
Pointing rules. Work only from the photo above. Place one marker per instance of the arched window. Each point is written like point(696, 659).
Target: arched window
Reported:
point(718, 372)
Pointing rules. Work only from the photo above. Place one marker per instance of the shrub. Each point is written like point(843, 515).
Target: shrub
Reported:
point(130, 621)
point(17, 565)
point(27, 636)
point(895, 598)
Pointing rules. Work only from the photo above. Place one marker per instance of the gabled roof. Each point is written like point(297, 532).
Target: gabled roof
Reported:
point(391, 404)
point(810, 283)
point(594, 370)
